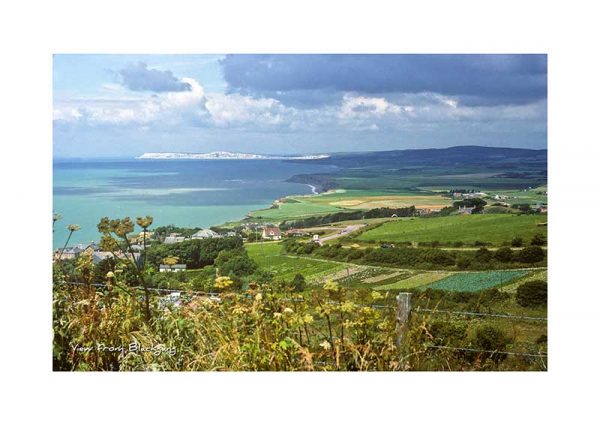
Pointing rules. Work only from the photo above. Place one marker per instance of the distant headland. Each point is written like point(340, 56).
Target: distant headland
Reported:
point(223, 155)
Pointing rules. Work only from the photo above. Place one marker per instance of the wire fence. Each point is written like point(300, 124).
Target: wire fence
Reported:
point(477, 350)
point(384, 307)
point(472, 313)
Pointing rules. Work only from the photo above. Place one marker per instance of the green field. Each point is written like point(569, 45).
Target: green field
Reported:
point(491, 228)
point(415, 281)
point(269, 257)
point(302, 207)
point(476, 281)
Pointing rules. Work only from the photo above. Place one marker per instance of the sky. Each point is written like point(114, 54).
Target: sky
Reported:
point(125, 105)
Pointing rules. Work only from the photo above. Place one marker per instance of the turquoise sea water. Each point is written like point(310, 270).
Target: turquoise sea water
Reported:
point(195, 193)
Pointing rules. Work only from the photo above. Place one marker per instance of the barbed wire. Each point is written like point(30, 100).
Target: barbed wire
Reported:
point(445, 347)
point(472, 313)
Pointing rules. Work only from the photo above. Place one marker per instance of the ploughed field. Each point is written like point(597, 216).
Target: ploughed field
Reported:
point(496, 229)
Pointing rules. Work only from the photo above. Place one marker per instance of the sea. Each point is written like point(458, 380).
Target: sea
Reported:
point(186, 193)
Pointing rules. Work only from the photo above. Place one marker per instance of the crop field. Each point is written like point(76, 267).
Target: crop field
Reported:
point(364, 199)
point(268, 256)
point(537, 275)
point(476, 281)
point(491, 228)
point(298, 207)
point(416, 281)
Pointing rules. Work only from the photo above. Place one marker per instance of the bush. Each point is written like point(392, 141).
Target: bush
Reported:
point(533, 293)
point(490, 338)
point(504, 254)
point(531, 254)
point(517, 242)
point(448, 333)
point(538, 240)
point(299, 283)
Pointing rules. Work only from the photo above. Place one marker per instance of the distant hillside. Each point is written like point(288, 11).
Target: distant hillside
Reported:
point(456, 156)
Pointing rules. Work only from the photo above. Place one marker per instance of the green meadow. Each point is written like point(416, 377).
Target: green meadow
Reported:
point(491, 228)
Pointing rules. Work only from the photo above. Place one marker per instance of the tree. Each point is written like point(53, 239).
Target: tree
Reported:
point(533, 293)
point(299, 283)
point(531, 254)
point(504, 254)
point(538, 240)
point(483, 255)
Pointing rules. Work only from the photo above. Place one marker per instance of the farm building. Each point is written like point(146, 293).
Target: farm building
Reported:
point(172, 269)
point(296, 232)
point(205, 234)
point(272, 233)
point(173, 239)
point(465, 210)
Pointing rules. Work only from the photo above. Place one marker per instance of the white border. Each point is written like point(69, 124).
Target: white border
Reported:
point(31, 32)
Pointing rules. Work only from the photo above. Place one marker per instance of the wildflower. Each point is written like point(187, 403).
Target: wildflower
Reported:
point(332, 286)
point(308, 319)
point(376, 296)
point(326, 345)
point(347, 307)
point(73, 227)
point(110, 275)
point(258, 297)
point(277, 315)
point(223, 282)
point(144, 222)
point(288, 310)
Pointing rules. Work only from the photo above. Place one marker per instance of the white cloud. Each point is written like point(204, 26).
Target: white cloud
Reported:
point(197, 108)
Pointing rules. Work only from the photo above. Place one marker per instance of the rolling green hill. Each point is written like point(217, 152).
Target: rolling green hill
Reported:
point(491, 228)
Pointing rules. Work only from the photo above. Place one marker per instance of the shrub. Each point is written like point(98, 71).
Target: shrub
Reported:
point(531, 254)
point(517, 242)
point(538, 240)
point(504, 254)
point(448, 333)
point(490, 338)
point(299, 283)
point(533, 293)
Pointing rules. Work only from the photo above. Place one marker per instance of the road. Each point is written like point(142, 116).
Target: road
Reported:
point(343, 232)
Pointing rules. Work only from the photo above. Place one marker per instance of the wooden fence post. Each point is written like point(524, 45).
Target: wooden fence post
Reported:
point(403, 315)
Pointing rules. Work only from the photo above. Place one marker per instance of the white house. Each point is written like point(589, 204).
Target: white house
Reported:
point(173, 239)
point(174, 268)
point(272, 233)
point(205, 234)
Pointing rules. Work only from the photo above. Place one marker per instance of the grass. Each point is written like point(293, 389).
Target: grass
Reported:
point(492, 228)
point(302, 207)
point(419, 280)
point(476, 281)
point(269, 257)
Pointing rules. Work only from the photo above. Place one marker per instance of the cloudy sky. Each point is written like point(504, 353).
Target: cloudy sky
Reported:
point(124, 105)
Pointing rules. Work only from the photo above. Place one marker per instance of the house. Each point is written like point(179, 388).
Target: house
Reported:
point(98, 256)
point(272, 233)
point(74, 251)
point(465, 210)
point(173, 239)
point(174, 268)
point(296, 232)
point(315, 238)
point(205, 234)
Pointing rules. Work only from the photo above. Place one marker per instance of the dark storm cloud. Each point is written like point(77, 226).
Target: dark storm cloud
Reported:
point(138, 77)
point(474, 79)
